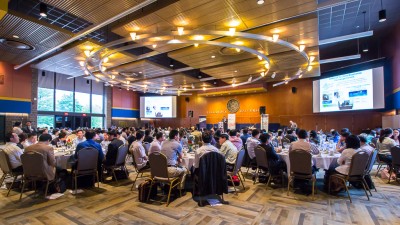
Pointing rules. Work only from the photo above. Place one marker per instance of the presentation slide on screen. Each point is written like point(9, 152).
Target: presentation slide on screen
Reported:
point(158, 107)
point(347, 92)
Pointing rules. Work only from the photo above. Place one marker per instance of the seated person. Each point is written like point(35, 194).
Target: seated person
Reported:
point(237, 141)
point(205, 148)
point(112, 149)
point(274, 161)
point(22, 139)
point(43, 147)
point(291, 136)
point(314, 138)
point(32, 139)
point(147, 138)
point(364, 146)
point(172, 149)
point(13, 151)
point(79, 137)
point(62, 137)
point(384, 144)
point(341, 145)
point(229, 150)
point(343, 163)
point(139, 153)
point(305, 145)
point(251, 143)
point(91, 143)
point(155, 146)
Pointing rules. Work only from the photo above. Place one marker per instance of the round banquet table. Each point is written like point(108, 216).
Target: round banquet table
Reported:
point(62, 159)
point(320, 161)
point(188, 160)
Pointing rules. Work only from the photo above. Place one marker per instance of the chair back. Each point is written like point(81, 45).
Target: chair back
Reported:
point(371, 161)
point(5, 165)
point(146, 146)
point(33, 166)
point(121, 155)
point(158, 165)
point(300, 162)
point(87, 160)
point(358, 163)
point(261, 157)
point(239, 161)
point(395, 151)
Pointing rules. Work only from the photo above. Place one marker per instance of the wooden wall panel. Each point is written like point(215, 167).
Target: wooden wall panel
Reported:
point(17, 83)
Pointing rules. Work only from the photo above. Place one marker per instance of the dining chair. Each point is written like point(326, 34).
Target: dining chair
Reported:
point(370, 165)
point(5, 166)
point(159, 173)
point(86, 165)
point(356, 173)
point(301, 168)
point(120, 162)
point(34, 170)
point(395, 152)
point(236, 170)
point(138, 171)
point(261, 159)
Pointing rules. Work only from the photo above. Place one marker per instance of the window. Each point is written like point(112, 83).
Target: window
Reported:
point(82, 102)
point(64, 101)
point(45, 99)
point(45, 121)
point(97, 122)
point(97, 104)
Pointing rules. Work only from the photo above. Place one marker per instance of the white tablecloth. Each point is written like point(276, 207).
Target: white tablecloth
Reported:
point(62, 160)
point(188, 160)
point(323, 161)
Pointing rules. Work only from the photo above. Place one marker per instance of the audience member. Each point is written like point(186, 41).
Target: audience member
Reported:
point(229, 150)
point(13, 151)
point(155, 146)
point(43, 147)
point(139, 153)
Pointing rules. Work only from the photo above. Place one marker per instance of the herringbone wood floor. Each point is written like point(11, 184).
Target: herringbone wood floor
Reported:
point(112, 204)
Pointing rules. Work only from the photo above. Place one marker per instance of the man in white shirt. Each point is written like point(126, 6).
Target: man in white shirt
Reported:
point(139, 153)
point(13, 151)
point(229, 150)
point(17, 128)
point(304, 144)
point(155, 146)
point(252, 142)
point(79, 138)
point(32, 139)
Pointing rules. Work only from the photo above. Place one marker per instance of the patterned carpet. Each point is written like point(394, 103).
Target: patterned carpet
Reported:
point(116, 204)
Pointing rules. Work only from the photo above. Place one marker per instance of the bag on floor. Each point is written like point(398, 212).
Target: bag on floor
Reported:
point(144, 189)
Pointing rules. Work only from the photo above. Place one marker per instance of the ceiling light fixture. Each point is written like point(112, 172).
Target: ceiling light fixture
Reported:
point(171, 63)
point(302, 47)
point(15, 36)
point(112, 77)
point(382, 14)
point(273, 75)
point(154, 45)
point(275, 37)
point(87, 53)
point(97, 79)
point(127, 82)
point(103, 68)
point(133, 36)
point(232, 31)
point(105, 60)
point(184, 89)
point(312, 58)
point(86, 72)
point(192, 86)
point(196, 45)
point(250, 79)
point(213, 56)
point(237, 49)
point(260, 2)
point(259, 57)
point(262, 73)
point(286, 82)
point(301, 75)
point(180, 30)
point(267, 66)
point(43, 9)
point(309, 68)
point(81, 63)
point(112, 85)
point(204, 88)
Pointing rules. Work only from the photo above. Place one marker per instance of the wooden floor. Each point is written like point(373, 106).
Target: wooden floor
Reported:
point(111, 204)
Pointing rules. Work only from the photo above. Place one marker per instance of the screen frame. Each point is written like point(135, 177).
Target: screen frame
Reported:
point(381, 62)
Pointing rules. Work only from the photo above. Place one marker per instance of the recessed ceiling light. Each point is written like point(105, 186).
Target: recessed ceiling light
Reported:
point(133, 35)
point(235, 71)
point(260, 2)
point(15, 36)
point(196, 45)
point(213, 56)
point(180, 30)
point(43, 9)
point(81, 63)
point(302, 47)
point(140, 72)
point(275, 37)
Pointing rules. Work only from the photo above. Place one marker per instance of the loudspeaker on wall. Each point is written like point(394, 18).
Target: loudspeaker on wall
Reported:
point(294, 90)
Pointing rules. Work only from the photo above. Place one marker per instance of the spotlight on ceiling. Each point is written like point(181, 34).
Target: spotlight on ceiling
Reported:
point(302, 47)
point(192, 86)
point(171, 63)
point(180, 30)
point(260, 2)
point(43, 9)
point(196, 45)
point(275, 37)
point(133, 36)
point(365, 48)
point(382, 13)
point(273, 75)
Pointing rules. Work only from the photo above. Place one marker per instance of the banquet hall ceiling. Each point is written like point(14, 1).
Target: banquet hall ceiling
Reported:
point(296, 21)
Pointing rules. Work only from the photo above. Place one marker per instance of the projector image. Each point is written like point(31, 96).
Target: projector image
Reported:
point(345, 105)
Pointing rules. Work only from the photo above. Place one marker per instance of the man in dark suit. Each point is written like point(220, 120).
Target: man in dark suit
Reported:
point(28, 128)
point(112, 151)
